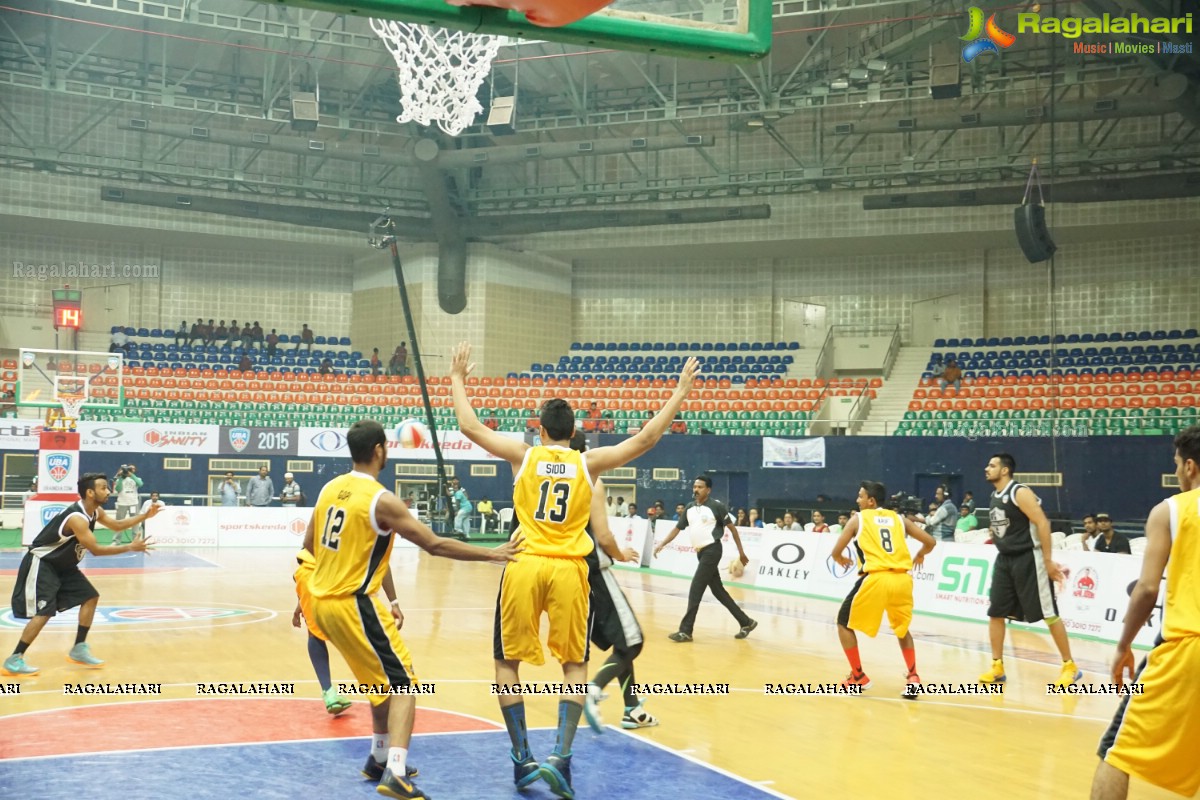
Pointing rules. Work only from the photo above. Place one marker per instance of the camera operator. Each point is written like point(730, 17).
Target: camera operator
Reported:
point(126, 485)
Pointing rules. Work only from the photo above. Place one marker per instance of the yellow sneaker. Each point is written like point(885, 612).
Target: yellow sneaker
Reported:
point(1069, 675)
point(995, 674)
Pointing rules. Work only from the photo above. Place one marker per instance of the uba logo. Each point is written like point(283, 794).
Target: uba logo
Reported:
point(984, 38)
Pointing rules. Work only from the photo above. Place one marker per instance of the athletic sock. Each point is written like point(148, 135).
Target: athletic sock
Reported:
point(568, 723)
point(81, 633)
point(910, 659)
point(379, 747)
point(21, 648)
point(397, 760)
point(514, 722)
point(318, 654)
point(852, 657)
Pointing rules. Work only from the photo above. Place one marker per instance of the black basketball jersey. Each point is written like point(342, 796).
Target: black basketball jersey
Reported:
point(1011, 531)
point(56, 545)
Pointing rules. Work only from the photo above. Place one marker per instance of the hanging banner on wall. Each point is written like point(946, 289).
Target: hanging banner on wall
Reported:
point(793, 453)
point(246, 441)
point(331, 442)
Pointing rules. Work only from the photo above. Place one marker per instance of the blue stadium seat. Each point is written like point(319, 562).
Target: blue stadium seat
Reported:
point(576, 346)
point(1191, 333)
point(1019, 341)
point(1043, 339)
point(994, 341)
point(659, 347)
point(788, 360)
point(115, 329)
point(939, 342)
point(952, 343)
point(694, 347)
point(1101, 337)
point(1158, 336)
point(1073, 338)
point(1006, 341)
point(789, 346)
point(622, 347)
point(743, 346)
point(706, 347)
point(1086, 338)
point(344, 341)
point(719, 347)
point(1175, 334)
point(1060, 338)
point(1129, 336)
point(634, 346)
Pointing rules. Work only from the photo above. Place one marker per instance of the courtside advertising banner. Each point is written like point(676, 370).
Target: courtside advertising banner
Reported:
point(633, 532)
point(793, 453)
point(149, 437)
point(331, 442)
point(58, 464)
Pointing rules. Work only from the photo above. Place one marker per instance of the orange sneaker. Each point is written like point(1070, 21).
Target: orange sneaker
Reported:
point(859, 679)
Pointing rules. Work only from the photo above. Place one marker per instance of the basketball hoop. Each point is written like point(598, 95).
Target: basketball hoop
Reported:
point(71, 394)
point(440, 72)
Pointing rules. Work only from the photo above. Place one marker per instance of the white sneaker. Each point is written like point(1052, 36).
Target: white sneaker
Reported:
point(637, 717)
point(591, 707)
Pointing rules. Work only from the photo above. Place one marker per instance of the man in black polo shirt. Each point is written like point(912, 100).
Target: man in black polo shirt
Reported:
point(705, 519)
point(1107, 540)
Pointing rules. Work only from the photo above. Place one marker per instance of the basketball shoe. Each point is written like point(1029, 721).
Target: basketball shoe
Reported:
point(373, 771)
point(525, 770)
point(334, 703)
point(15, 665)
point(82, 654)
point(912, 685)
point(638, 717)
point(1069, 675)
point(680, 636)
point(400, 788)
point(995, 674)
point(857, 679)
point(591, 707)
point(745, 631)
point(556, 771)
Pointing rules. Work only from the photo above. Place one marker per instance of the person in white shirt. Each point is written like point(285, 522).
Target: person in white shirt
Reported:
point(289, 493)
point(153, 501)
point(620, 510)
point(126, 486)
point(789, 523)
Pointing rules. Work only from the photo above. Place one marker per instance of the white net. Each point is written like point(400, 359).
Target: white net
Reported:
point(440, 72)
point(71, 393)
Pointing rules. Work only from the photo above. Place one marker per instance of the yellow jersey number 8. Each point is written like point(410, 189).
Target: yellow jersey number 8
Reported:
point(885, 539)
point(558, 512)
point(335, 518)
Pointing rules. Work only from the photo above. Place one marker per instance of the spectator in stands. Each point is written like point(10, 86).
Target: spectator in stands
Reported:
point(951, 375)
point(272, 343)
point(290, 495)
point(818, 523)
point(680, 509)
point(621, 510)
point(789, 522)
point(246, 365)
point(181, 333)
point(154, 500)
point(247, 337)
point(235, 334)
point(306, 339)
point(533, 426)
point(777, 524)
point(969, 500)
point(755, 522)
point(220, 333)
point(197, 332)
point(230, 491)
point(326, 367)
point(943, 516)
point(1089, 530)
point(260, 490)
point(967, 521)
point(256, 335)
point(120, 342)
point(1108, 540)
point(491, 422)
point(838, 526)
point(742, 520)
point(210, 331)
point(938, 367)
point(633, 511)
point(678, 425)
point(398, 363)
point(487, 515)
point(376, 363)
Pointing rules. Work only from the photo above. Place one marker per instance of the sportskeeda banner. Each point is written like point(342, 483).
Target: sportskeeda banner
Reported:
point(954, 580)
point(327, 442)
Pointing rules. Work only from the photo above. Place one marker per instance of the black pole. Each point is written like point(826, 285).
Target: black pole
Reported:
point(416, 350)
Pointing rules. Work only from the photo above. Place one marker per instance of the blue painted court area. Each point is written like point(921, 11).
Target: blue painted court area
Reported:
point(157, 560)
point(454, 766)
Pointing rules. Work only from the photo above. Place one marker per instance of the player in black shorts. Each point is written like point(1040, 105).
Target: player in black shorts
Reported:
point(1024, 574)
point(49, 579)
point(614, 624)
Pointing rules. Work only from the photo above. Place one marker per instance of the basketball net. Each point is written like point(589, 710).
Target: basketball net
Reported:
point(71, 397)
point(439, 71)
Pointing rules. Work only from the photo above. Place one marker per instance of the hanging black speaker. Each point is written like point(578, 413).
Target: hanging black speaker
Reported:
point(1030, 222)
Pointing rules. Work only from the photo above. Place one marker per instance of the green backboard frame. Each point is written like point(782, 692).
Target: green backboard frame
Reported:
point(609, 29)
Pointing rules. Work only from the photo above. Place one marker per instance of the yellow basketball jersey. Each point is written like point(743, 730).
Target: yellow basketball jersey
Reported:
point(880, 541)
point(351, 553)
point(1181, 611)
point(552, 498)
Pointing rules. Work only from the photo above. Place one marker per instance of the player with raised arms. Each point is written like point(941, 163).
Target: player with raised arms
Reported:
point(552, 498)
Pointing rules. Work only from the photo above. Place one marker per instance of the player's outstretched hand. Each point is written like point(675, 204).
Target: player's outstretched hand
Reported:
point(509, 550)
point(153, 510)
point(141, 545)
point(687, 376)
point(460, 363)
point(629, 554)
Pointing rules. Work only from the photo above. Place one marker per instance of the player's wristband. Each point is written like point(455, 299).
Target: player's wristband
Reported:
point(396, 603)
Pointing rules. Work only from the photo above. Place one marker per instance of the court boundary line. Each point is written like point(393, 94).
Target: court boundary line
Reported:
point(272, 614)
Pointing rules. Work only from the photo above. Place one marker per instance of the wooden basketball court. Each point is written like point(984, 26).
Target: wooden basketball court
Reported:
point(210, 616)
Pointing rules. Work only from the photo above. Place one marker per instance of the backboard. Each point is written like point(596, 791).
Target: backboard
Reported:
point(727, 30)
point(42, 373)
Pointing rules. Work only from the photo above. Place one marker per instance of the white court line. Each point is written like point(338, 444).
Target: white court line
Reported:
point(197, 624)
point(684, 754)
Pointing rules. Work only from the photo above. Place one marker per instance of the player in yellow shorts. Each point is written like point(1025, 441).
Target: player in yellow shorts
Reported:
point(1154, 733)
point(318, 649)
point(350, 535)
point(552, 495)
point(886, 587)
